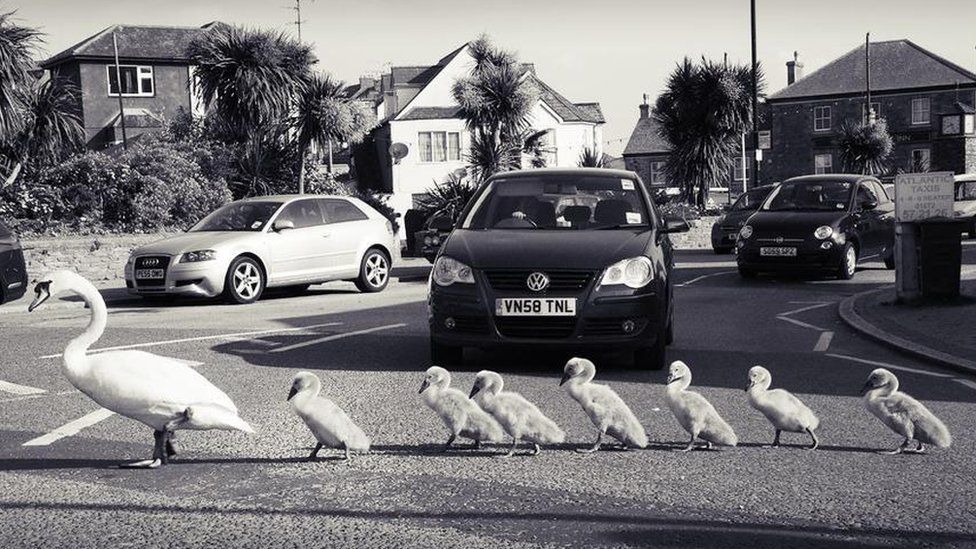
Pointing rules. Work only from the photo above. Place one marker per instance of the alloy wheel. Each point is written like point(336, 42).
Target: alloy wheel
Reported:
point(247, 280)
point(377, 270)
point(850, 260)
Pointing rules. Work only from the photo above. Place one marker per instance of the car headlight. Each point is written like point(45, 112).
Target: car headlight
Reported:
point(745, 231)
point(635, 272)
point(199, 255)
point(448, 270)
point(823, 232)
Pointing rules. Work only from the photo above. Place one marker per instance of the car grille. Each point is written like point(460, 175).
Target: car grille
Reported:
point(151, 262)
point(559, 281)
point(597, 327)
point(536, 327)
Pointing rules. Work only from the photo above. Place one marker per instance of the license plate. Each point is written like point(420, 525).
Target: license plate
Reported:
point(777, 251)
point(525, 306)
point(150, 273)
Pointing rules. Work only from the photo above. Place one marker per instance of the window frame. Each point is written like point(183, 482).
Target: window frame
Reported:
point(927, 156)
point(829, 166)
point(737, 170)
point(928, 111)
point(110, 70)
point(431, 137)
point(656, 172)
point(296, 204)
point(817, 118)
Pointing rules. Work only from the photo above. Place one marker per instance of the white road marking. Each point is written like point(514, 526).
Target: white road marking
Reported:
point(824, 342)
point(204, 338)
point(888, 365)
point(32, 397)
point(702, 277)
point(967, 382)
point(71, 428)
point(708, 265)
point(333, 338)
point(800, 323)
point(16, 389)
point(807, 308)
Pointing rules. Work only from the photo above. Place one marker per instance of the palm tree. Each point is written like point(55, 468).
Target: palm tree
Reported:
point(323, 115)
point(589, 158)
point(51, 127)
point(865, 147)
point(17, 47)
point(702, 112)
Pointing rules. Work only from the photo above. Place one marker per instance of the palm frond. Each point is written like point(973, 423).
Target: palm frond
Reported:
point(865, 147)
point(17, 48)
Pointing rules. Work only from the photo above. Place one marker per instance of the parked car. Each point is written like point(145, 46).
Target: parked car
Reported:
point(270, 241)
point(965, 200)
point(726, 228)
point(568, 258)
point(428, 241)
point(13, 270)
point(819, 223)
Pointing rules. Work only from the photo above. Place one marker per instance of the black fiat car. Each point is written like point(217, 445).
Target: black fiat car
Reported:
point(726, 228)
point(819, 224)
point(569, 258)
point(13, 271)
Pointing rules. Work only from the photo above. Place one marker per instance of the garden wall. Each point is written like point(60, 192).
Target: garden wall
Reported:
point(99, 258)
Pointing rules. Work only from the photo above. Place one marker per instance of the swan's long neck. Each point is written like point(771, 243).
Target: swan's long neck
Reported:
point(74, 353)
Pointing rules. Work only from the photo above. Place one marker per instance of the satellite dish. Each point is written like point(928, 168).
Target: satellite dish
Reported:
point(398, 151)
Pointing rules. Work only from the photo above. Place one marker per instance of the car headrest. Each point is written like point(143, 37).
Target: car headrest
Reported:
point(545, 214)
point(577, 214)
point(611, 212)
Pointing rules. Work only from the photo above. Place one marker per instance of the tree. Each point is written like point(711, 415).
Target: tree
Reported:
point(50, 126)
point(496, 103)
point(703, 111)
point(865, 147)
point(17, 47)
point(323, 115)
point(589, 158)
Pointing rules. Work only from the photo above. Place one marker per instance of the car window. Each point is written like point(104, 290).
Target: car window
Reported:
point(865, 193)
point(880, 192)
point(340, 211)
point(966, 190)
point(817, 195)
point(751, 200)
point(303, 213)
point(238, 216)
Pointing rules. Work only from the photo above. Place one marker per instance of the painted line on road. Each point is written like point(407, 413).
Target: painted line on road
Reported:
point(333, 338)
point(32, 397)
point(702, 277)
point(824, 342)
point(888, 365)
point(205, 338)
point(818, 305)
point(16, 389)
point(71, 428)
point(800, 323)
point(967, 382)
point(709, 265)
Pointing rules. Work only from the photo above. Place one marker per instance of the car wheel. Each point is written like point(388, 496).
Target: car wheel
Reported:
point(245, 281)
point(889, 260)
point(653, 357)
point(445, 355)
point(747, 273)
point(374, 272)
point(848, 262)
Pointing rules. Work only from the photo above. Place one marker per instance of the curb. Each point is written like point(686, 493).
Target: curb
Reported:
point(852, 318)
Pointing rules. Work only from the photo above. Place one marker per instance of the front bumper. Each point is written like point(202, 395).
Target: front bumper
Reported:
point(810, 257)
point(203, 279)
point(724, 237)
point(14, 275)
point(463, 315)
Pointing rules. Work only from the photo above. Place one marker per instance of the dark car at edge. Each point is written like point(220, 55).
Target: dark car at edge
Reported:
point(13, 271)
point(726, 228)
point(819, 224)
point(565, 258)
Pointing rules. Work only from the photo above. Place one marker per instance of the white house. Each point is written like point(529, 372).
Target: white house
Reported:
point(417, 110)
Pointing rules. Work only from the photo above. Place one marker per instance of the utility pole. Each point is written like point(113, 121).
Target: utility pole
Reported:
point(118, 81)
point(867, 77)
point(298, 18)
point(755, 99)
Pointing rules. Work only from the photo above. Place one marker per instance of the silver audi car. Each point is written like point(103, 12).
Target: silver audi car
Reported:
point(270, 241)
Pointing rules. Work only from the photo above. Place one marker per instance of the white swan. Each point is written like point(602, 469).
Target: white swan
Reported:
point(695, 414)
point(781, 408)
point(608, 412)
point(520, 418)
point(330, 425)
point(461, 415)
point(162, 392)
point(903, 414)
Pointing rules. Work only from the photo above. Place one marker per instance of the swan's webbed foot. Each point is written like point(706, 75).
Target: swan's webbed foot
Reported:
point(816, 442)
point(535, 450)
point(898, 450)
point(348, 457)
point(144, 464)
point(159, 457)
point(919, 449)
point(595, 447)
point(689, 447)
point(476, 445)
point(775, 443)
point(511, 450)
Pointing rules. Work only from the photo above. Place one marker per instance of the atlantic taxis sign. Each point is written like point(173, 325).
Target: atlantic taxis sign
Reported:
point(921, 196)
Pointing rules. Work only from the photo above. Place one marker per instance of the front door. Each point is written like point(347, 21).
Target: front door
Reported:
point(346, 225)
point(297, 254)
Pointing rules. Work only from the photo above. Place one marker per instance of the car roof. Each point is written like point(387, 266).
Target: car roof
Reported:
point(534, 172)
point(287, 197)
point(829, 177)
point(965, 177)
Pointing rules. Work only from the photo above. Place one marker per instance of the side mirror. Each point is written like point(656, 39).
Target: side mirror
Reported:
point(282, 225)
point(675, 225)
point(869, 205)
point(442, 223)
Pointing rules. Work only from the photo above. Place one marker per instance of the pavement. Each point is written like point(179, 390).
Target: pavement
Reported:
point(59, 453)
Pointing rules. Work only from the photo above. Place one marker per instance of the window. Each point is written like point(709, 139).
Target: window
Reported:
point(339, 211)
point(876, 107)
point(737, 170)
point(136, 80)
point(921, 111)
point(823, 163)
point(439, 146)
point(880, 191)
point(921, 158)
point(821, 119)
point(303, 213)
point(866, 193)
point(657, 173)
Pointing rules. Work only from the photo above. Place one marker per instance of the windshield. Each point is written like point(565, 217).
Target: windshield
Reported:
point(810, 196)
point(238, 216)
point(965, 190)
point(750, 201)
point(570, 202)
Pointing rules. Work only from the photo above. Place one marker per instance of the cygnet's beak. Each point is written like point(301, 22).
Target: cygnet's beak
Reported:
point(292, 392)
point(867, 387)
point(749, 385)
point(474, 391)
point(423, 386)
point(566, 377)
point(671, 378)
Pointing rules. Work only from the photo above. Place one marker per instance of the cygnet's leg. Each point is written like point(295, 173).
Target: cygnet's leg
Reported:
point(535, 449)
point(315, 451)
point(898, 450)
point(157, 457)
point(347, 453)
point(596, 445)
point(172, 447)
point(816, 442)
point(919, 449)
point(476, 444)
point(690, 446)
point(775, 440)
point(511, 451)
point(450, 441)
point(708, 445)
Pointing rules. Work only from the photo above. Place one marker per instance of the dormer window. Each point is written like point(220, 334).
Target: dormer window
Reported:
point(137, 80)
point(959, 120)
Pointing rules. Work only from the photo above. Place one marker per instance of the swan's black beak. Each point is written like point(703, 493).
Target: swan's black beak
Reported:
point(566, 377)
point(474, 391)
point(749, 386)
point(423, 386)
point(868, 387)
point(671, 378)
point(292, 392)
point(42, 291)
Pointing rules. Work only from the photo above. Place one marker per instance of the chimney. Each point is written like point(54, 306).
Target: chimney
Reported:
point(645, 109)
point(794, 69)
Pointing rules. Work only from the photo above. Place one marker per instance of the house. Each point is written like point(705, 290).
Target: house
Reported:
point(420, 120)
point(156, 79)
point(927, 101)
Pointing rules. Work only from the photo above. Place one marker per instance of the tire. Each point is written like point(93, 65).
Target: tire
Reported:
point(747, 273)
point(889, 261)
point(244, 282)
point(848, 262)
point(445, 355)
point(669, 331)
point(653, 357)
point(374, 271)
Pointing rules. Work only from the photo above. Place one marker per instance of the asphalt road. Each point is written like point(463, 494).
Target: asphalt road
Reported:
point(230, 489)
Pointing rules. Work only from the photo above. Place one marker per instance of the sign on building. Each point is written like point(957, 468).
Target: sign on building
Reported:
point(765, 139)
point(923, 195)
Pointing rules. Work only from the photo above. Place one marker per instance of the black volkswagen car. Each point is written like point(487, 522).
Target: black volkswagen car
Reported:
point(571, 258)
point(726, 228)
point(13, 272)
point(819, 224)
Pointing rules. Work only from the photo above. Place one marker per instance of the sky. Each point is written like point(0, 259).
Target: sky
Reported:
point(610, 51)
